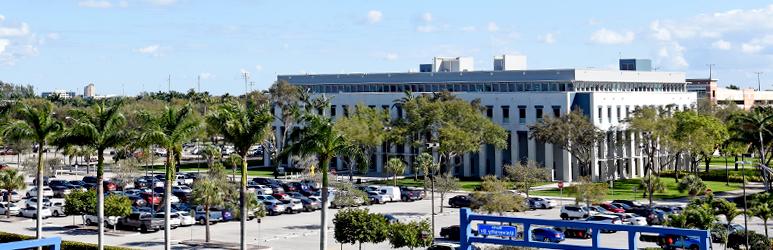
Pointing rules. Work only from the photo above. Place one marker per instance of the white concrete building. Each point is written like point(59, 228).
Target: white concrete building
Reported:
point(515, 99)
point(89, 91)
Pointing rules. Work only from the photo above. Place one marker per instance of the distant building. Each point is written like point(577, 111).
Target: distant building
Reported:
point(509, 62)
point(60, 93)
point(743, 98)
point(452, 64)
point(636, 64)
point(89, 91)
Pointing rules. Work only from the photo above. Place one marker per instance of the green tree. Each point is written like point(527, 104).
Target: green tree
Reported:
point(287, 97)
point(572, 132)
point(585, 191)
point(10, 180)
point(117, 205)
point(235, 161)
point(80, 203)
point(317, 137)
point(702, 135)
point(207, 193)
point(445, 183)
point(411, 235)
point(242, 126)
point(34, 121)
point(359, 226)
point(764, 212)
point(494, 197)
point(651, 184)
point(655, 129)
point(100, 127)
point(395, 167)
point(527, 175)
point(365, 129)
point(692, 184)
point(169, 130)
point(754, 126)
point(346, 195)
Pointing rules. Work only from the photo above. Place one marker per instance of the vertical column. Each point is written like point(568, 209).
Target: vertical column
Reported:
point(549, 159)
point(514, 146)
point(482, 161)
point(465, 229)
point(266, 157)
point(340, 163)
point(380, 160)
point(407, 157)
point(532, 150)
point(467, 171)
point(566, 166)
point(594, 164)
point(498, 162)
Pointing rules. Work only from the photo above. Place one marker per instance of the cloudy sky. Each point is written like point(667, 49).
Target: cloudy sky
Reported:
point(134, 45)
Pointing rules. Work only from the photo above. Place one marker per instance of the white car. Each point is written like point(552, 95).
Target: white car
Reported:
point(31, 212)
point(181, 189)
point(91, 219)
point(634, 219)
point(575, 212)
point(185, 218)
point(604, 219)
point(33, 202)
point(544, 203)
point(57, 207)
point(294, 206)
point(47, 192)
point(260, 189)
point(15, 196)
point(182, 180)
point(6, 207)
point(174, 219)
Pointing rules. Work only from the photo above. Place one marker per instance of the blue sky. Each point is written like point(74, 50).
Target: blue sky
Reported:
point(133, 45)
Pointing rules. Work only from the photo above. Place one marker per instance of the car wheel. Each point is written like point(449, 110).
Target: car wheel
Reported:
point(694, 247)
point(564, 216)
point(202, 221)
point(544, 206)
point(88, 222)
point(144, 229)
point(56, 213)
point(545, 239)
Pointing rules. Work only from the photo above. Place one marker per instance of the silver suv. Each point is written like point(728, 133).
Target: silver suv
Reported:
point(569, 212)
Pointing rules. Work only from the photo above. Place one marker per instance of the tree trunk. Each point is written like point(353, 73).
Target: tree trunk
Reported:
point(736, 162)
point(243, 203)
point(100, 199)
point(394, 180)
point(39, 221)
point(707, 161)
point(765, 223)
point(206, 222)
point(167, 194)
point(323, 217)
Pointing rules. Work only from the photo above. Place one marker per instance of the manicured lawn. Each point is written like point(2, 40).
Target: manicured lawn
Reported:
point(624, 189)
point(252, 172)
point(717, 161)
point(468, 186)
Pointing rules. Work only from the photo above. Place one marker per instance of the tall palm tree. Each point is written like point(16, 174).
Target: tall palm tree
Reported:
point(11, 180)
point(318, 138)
point(755, 126)
point(207, 193)
point(99, 127)
point(169, 130)
point(242, 126)
point(764, 212)
point(35, 121)
point(395, 166)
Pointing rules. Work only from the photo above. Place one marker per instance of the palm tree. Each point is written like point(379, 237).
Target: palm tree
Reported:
point(35, 121)
point(11, 180)
point(692, 184)
point(99, 127)
point(234, 160)
point(317, 137)
point(169, 130)
point(242, 126)
point(764, 212)
point(754, 126)
point(207, 193)
point(394, 167)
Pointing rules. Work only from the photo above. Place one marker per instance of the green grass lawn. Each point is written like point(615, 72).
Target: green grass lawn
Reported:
point(252, 172)
point(623, 189)
point(717, 161)
point(469, 185)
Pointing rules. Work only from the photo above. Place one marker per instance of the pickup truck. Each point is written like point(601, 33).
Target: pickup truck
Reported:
point(214, 215)
point(411, 194)
point(145, 222)
point(91, 219)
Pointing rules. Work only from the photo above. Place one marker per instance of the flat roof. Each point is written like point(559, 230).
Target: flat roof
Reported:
point(593, 75)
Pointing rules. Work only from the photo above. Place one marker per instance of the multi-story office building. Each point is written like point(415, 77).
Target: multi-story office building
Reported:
point(743, 98)
point(60, 93)
point(89, 91)
point(516, 99)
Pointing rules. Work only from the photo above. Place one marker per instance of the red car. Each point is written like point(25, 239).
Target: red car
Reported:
point(281, 196)
point(109, 186)
point(152, 198)
point(612, 208)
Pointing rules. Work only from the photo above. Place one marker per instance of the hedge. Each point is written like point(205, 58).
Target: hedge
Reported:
point(66, 245)
point(715, 175)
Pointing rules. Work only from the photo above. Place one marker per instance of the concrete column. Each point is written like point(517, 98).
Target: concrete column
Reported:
point(467, 168)
point(408, 160)
point(380, 159)
point(514, 146)
point(565, 168)
point(498, 162)
point(481, 161)
point(532, 150)
point(549, 156)
point(266, 158)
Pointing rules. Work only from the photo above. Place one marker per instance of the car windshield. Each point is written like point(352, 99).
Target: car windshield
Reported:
point(185, 214)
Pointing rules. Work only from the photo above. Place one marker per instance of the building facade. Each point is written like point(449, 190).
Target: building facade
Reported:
point(89, 91)
point(515, 99)
point(743, 98)
point(59, 93)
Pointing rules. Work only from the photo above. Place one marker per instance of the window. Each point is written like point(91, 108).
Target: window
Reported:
point(627, 111)
point(522, 114)
point(385, 107)
point(538, 113)
point(505, 114)
point(609, 114)
point(346, 110)
point(556, 111)
point(333, 111)
point(601, 116)
point(489, 112)
point(618, 113)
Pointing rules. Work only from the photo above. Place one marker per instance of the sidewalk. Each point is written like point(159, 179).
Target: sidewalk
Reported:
point(200, 244)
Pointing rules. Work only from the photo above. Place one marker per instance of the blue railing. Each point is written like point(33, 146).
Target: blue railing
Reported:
point(467, 238)
point(54, 242)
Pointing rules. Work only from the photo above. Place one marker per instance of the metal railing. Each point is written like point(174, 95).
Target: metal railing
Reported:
point(54, 242)
point(467, 238)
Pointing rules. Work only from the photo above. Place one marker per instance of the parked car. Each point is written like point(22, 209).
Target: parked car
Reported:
point(294, 206)
point(57, 207)
point(60, 191)
point(453, 233)
point(91, 219)
point(31, 212)
point(185, 218)
point(410, 194)
point(544, 203)
point(632, 204)
point(460, 201)
point(281, 196)
point(625, 207)
point(214, 216)
point(47, 192)
point(311, 204)
point(604, 219)
point(137, 200)
point(598, 209)
point(90, 179)
point(265, 181)
point(109, 186)
point(449, 246)
point(266, 198)
point(152, 199)
point(575, 212)
point(315, 186)
point(612, 208)
point(9, 208)
point(630, 219)
point(15, 196)
point(181, 179)
point(391, 191)
point(377, 198)
point(679, 242)
point(669, 209)
point(260, 189)
point(174, 219)
point(181, 190)
point(391, 219)
point(546, 234)
point(226, 214)
point(145, 222)
point(653, 216)
point(288, 187)
point(33, 202)
point(274, 207)
point(301, 188)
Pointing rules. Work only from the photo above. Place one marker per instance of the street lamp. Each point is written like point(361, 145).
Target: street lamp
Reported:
point(745, 223)
point(432, 146)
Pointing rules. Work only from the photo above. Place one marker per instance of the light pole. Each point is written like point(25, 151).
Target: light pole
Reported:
point(745, 223)
point(433, 146)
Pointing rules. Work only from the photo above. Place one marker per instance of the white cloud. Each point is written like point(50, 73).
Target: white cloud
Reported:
point(161, 2)
point(97, 4)
point(426, 28)
point(751, 48)
point(659, 32)
point(722, 44)
point(22, 30)
point(258, 67)
point(469, 28)
point(206, 76)
point(671, 55)
point(3, 44)
point(548, 38)
point(715, 25)
point(2, 18)
point(391, 56)
point(374, 16)
point(426, 17)
point(605, 36)
point(153, 50)
point(492, 27)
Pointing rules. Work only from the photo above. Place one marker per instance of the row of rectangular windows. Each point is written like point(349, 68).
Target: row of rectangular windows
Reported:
point(437, 87)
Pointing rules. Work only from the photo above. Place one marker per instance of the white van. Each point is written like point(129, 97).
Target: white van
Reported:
point(391, 191)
